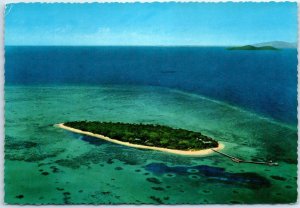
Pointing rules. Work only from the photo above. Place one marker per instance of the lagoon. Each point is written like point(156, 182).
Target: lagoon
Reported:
point(49, 165)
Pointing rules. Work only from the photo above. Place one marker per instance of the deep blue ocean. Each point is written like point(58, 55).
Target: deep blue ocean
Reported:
point(264, 82)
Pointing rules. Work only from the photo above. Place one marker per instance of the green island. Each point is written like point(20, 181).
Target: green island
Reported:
point(250, 47)
point(147, 135)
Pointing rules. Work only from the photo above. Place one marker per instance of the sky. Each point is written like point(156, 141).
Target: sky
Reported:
point(200, 24)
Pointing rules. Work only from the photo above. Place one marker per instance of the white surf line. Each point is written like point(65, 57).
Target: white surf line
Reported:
point(271, 120)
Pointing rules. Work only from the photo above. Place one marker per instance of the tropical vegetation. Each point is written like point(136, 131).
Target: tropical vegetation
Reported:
point(147, 134)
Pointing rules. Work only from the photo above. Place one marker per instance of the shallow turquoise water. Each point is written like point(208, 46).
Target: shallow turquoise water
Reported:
point(44, 164)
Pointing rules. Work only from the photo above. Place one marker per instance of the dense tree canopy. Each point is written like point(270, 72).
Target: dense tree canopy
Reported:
point(147, 134)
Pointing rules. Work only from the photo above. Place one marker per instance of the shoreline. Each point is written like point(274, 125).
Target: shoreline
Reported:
point(139, 146)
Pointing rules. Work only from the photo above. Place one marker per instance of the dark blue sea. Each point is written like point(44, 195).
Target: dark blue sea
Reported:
point(264, 82)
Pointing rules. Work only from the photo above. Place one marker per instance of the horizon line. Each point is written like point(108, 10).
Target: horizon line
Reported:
point(133, 45)
point(146, 45)
point(130, 45)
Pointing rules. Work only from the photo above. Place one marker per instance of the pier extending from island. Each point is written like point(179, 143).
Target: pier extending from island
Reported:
point(147, 136)
point(237, 160)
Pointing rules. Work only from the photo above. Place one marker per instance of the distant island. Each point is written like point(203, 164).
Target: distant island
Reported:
point(277, 44)
point(251, 47)
point(146, 136)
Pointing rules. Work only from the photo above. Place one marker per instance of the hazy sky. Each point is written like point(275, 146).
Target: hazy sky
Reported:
point(150, 24)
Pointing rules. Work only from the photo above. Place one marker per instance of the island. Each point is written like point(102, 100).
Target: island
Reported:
point(251, 47)
point(146, 136)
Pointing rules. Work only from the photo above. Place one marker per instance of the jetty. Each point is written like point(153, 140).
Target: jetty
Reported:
point(237, 160)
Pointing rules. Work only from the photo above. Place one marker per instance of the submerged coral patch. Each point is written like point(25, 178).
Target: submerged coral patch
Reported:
point(153, 180)
point(212, 174)
point(278, 178)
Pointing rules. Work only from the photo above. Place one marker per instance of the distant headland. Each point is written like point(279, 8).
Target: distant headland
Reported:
point(271, 45)
point(277, 44)
point(146, 136)
point(251, 47)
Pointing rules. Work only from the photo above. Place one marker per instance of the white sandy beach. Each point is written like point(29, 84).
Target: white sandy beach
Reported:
point(173, 151)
